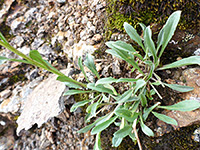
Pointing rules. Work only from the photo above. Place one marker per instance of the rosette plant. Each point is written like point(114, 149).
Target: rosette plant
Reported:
point(129, 110)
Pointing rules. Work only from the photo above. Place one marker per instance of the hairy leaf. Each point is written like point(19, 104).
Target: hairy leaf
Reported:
point(179, 88)
point(97, 145)
point(103, 125)
point(73, 92)
point(116, 141)
point(80, 64)
point(108, 80)
point(146, 129)
point(186, 105)
point(79, 104)
point(133, 34)
point(99, 88)
point(192, 60)
point(123, 132)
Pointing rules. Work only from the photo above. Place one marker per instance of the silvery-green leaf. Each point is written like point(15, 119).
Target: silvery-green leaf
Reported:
point(133, 34)
point(148, 110)
point(149, 42)
point(108, 80)
point(99, 88)
point(103, 125)
point(192, 60)
point(73, 92)
point(165, 118)
point(125, 96)
point(97, 145)
point(127, 114)
point(179, 88)
point(146, 129)
point(168, 30)
point(91, 109)
point(121, 133)
point(78, 104)
point(139, 84)
point(186, 105)
point(126, 80)
point(116, 141)
point(89, 62)
point(80, 64)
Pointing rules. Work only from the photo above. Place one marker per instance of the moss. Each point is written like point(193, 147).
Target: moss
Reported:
point(149, 12)
point(4, 29)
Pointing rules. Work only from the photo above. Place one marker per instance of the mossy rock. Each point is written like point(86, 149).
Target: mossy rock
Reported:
point(150, 12)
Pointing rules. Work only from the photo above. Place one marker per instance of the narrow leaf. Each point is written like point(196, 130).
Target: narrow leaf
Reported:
point(126, 80)
point(97, 145)
point(148, 110)
point(99, 88)
point(169, 29)
point(127, 114)
point(133, 34)
point(73, 92)
point(108, 80)
point(91, 109)
point(139, 84)
point(89, 62)
point(125, 96)
point(79, 104)
point(179, 88)
point(3, 38)
point(146, 129)
point(149, 42)
point(186, 105)
point(192, 60)
point(86, 128)
point(3, 59)
point(165, 118)
point(123, 132)
point(80, 64)
point(103, 125)
point(143, 99)
point(116, 141)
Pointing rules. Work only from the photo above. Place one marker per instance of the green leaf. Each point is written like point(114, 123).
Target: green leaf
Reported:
point(35, 55)
point(86, 128)
point(132, 136)
point(108, 80)
point(103, 125)
point(126, 80)
point(79, 104)
point(99, 88)
point(152, 66)
point(89, 62)
point(108, 86)
point(3, 59)
point(165, 118)
point(116, 141)
point(149, 43)
point(72, 85)
point(192, 60)
point(133, 34)
point(146, 129)
point(97, 145)
point(128, 57)
point(127, 48)
point(125, 96)
point(127, 114)
point(73, 92)
point(179, 88)
point(80, 64)
point(123, 132)
point(139, 84)
point(168, 30)
point(143, 26)
point(143, 99)
point(91, 109)
point(186, 105)
point(160, 39)
point(148, 110)
point(3, 38)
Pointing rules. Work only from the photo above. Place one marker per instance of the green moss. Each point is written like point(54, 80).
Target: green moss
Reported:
point(149, 12)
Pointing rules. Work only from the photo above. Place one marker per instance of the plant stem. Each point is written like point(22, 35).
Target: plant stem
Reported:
point(136, 134)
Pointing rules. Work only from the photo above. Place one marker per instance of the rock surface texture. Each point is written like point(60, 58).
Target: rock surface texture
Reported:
point(58, 30)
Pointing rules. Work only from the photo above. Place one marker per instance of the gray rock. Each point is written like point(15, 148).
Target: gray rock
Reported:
point(37, 43)
point(18, 40)
point(61, 1)
point(25, 49)
point(45, 49)
point(17, 24)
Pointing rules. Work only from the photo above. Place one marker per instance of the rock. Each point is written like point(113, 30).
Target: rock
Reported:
point(17, 24)
point(45, 49)
point(191, 76)
point(61, 1)
point(97, 38)
point(25, 49)
point(5, 94)
point(5, 8)
point(36, 110)
point(36, 43)
point(18, 40)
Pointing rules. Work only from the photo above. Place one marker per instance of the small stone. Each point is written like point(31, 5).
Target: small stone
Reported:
point(19, 41)
point(25, 50)
point(45, 49)
point(37, 43)
point(84, 20)
point(97, 38)
point(5, 94)
point(61, 1)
